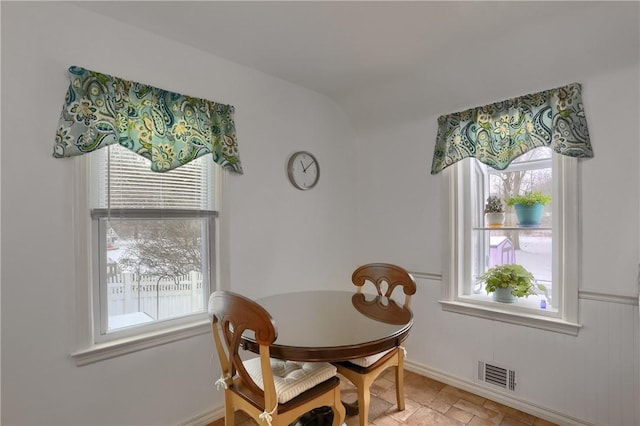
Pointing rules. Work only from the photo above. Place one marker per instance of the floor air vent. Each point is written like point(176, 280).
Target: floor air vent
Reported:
point(496, 375)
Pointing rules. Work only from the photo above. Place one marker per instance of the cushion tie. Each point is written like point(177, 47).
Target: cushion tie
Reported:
point(264, 416)
point(221, 383)
point(403, 350)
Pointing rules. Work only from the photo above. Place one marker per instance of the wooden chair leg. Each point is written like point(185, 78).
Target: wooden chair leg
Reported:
point(339, 412)
point(400, 379)
point(364, 400)
point(400, 388)
point(229, 414)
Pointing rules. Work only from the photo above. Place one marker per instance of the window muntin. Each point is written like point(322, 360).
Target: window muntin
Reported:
point(153, 243)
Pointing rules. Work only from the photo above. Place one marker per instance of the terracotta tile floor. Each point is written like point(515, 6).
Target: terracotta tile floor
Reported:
point(427, 402)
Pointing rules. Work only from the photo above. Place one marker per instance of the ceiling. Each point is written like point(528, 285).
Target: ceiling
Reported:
point(388, 57)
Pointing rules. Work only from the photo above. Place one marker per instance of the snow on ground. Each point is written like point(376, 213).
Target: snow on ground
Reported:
point(535, 255)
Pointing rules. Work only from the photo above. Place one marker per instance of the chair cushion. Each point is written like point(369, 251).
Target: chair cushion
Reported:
point(369, 360)
point(291, 378)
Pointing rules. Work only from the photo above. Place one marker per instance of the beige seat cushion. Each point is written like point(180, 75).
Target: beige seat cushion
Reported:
point(291, 378)
point(369, 360)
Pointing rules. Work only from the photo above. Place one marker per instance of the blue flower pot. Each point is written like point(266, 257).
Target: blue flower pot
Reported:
point(529, 215)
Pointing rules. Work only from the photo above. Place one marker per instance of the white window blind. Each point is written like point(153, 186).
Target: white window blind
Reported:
point(134, 185)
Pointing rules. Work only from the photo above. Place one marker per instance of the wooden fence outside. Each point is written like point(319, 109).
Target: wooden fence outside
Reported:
point(158, 297)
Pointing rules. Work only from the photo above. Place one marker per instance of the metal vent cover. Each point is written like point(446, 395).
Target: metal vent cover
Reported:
point(497, 375)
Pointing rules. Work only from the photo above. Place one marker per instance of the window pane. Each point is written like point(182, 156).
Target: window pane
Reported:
point(531, 247)
point(155, 269)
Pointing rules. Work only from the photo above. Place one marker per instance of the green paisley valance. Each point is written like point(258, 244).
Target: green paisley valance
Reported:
point(498, 133)
point(167, 128)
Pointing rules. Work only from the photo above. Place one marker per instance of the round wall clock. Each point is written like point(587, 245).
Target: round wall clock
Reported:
point(303, 170)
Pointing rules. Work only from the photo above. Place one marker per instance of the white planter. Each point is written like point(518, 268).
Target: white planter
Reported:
point(494, 220)
point(504, 295)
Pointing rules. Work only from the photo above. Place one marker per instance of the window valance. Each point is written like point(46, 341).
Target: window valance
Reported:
point(498, 133)
point(167, 128)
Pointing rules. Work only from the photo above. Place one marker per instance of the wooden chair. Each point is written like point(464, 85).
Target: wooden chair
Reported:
point(272, 392)
point(362, 372)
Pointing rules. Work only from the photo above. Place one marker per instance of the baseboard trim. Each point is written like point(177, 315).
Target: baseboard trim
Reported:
point(508, 400)
point(203, 419)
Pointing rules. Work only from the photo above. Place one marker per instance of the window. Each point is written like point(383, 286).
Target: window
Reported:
point(549, 251)
point(152, 243)
point(152, 238)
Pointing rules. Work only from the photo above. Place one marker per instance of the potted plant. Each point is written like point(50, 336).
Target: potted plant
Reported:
point(509, 282)
point(529, 207)
point(494, 212)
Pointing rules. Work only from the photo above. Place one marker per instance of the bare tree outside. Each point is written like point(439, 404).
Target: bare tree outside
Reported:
point(163, 248)
point(511, 183)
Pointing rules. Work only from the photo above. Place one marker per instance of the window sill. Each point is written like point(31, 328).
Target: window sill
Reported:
point(518, 318)
point(112, 349)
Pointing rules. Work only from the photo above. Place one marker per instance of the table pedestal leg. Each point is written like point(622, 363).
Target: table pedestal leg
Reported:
point(351, 408)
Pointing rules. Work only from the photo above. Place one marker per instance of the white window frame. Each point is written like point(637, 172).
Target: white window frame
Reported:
point(566, 250)
point(89, 347)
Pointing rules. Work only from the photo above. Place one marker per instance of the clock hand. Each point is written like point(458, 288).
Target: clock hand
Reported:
point(304, 169)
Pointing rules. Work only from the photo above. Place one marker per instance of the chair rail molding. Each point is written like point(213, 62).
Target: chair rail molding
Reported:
point(608, 297)
point(427, 275)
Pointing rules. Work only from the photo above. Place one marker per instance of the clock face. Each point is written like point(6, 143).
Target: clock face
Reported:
point(303, 170)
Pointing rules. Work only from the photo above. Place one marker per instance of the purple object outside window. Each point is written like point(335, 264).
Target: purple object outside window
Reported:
point(501, 251)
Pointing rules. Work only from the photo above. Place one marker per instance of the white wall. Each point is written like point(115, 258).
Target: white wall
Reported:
point(282, 239)
point(592, 377)
point(395, 208)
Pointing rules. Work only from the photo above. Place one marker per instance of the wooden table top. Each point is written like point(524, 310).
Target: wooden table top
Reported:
point(333, 325)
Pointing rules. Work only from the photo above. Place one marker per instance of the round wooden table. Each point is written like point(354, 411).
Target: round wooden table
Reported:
point(333, 325)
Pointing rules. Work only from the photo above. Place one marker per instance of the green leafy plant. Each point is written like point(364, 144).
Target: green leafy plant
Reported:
point(521, 281)
point(529, 198)
point(494, 205)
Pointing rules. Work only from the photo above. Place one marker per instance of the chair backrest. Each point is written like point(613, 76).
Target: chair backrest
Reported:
point(393, 275)
point(232, 315)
